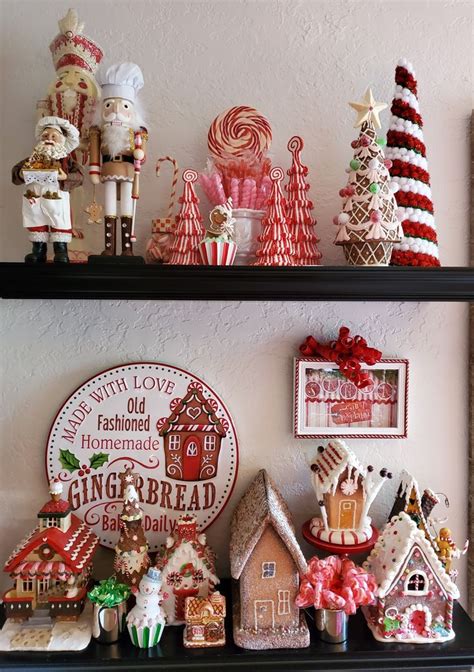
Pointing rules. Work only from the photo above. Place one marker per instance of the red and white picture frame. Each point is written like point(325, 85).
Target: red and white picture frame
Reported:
point(328, 405)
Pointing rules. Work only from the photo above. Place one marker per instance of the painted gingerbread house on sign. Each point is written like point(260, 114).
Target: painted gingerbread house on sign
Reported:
point(187, 565)
point(204, 621)
point(51, 567)
point(415, 594)
point(192, 436)
point(267, 561)
point(345, 491)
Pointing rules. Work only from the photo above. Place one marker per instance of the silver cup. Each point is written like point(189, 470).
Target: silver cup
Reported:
point(108, 622)
point(332, 625)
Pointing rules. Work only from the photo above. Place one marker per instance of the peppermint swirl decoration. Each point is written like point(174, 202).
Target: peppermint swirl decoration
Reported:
point(241, 132)
point(190, 175)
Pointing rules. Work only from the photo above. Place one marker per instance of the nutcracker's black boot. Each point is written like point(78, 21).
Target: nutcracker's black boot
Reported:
point(60, 253)
point(127, 246)
point(37, 254)
point(109, 231)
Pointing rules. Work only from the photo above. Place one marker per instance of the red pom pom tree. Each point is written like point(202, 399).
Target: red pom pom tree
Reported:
point(406, 149)
point(299, 207)
point(189, 229)
point(275, 240)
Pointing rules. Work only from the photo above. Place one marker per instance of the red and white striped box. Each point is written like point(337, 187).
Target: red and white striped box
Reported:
point(218, 252)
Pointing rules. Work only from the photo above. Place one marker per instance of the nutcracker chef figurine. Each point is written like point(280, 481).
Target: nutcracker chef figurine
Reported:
point(46, 210)
point(74, 92)
point(117, 150)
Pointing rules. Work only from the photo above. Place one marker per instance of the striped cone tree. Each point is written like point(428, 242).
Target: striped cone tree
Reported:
point(406, 149)
point(275, 241)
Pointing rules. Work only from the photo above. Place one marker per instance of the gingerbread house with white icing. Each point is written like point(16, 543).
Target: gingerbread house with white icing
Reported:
point(345, 491)
point(52, 566)
point(192, 436)
point(417, 506)
point(267, 561)
point(415, 594)
point(187, 567)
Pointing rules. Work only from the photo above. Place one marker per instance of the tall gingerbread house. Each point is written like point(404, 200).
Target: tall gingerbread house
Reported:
point(267, 561)
point(52, 566)
point(192, 436)
point(415, 595)
point(345, 491)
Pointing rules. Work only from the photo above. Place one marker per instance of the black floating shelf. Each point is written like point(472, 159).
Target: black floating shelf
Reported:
point(360, 652)
point(235, 283)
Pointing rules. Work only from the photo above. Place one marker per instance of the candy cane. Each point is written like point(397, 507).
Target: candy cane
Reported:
point(173, 183)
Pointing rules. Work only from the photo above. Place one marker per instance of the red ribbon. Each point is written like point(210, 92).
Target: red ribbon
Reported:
point(348, 352)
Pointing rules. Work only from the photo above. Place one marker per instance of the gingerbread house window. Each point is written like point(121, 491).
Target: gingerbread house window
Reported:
point(43, 586)
point(27, 585)
point(51, 522)
point(416, 583)
point(210, 443)
point(268, 570)
point(283, 602)
point(175, 442)
point(192, 449)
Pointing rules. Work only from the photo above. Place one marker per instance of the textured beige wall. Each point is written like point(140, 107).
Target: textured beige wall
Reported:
point(299, 62)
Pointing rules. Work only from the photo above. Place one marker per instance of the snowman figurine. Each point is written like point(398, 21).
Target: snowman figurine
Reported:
point(146, 621)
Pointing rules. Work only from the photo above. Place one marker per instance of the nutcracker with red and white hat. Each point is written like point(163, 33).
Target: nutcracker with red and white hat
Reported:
point(45, 204)
point(117, 151)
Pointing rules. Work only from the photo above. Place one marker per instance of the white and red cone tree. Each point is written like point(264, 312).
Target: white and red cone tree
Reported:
point(275, 241)
point(189, 229)
point(407, 151)
point(299, 206)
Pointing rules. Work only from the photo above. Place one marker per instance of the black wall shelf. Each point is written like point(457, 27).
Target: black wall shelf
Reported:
point(360, 652)
point(239, 283)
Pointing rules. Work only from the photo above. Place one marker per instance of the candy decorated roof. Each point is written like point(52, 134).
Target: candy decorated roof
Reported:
point(393, 549)
point(59, 508)
point(75, 546)
point(331, 462)
point(193, 412)
point(261, 505)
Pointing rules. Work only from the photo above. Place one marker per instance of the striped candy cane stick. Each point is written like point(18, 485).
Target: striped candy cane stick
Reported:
point(173, 183)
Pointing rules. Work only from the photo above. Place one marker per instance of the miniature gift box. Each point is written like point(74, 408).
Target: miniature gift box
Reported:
point(345, 492)
point(188, 568)
point(146, 621)
point(204, 621)
point(267, 561)
point(415, 594)
point(52, 565)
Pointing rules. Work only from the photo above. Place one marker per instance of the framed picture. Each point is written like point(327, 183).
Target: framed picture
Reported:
point(328, 405)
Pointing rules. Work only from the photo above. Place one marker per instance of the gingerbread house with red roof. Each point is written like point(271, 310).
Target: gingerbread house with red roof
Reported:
point(192, 436)
point(51, 567)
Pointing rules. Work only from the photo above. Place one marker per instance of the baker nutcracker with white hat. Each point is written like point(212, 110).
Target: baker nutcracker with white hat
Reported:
point(117, 151)
point(45, 205)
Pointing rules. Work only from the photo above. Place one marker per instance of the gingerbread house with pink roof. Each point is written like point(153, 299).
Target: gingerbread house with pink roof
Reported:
point(192, 436)
point(415, 594)
point(52, 566)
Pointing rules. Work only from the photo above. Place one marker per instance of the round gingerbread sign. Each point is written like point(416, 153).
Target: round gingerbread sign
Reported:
point(164, 423)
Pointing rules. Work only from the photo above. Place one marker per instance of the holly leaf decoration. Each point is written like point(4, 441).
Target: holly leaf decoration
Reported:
point(97, 460)
point(69, 461)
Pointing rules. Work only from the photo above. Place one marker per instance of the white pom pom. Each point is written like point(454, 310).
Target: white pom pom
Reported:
point(373, 164)
point(404, 247)
point(343, 218)
point(394, 187)
point(416, 248)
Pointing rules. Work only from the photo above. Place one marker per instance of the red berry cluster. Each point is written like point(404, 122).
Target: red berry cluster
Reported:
point(400, 258)
point(84, 470)
point(401, 139)
point(406, 79)
point(417, 230)
point(404, 169)
point(406, 199)
point(405, 111)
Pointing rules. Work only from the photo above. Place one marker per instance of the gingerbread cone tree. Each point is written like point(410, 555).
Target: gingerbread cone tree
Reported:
point(368, 224)
point(275, 248)
point(189, 230)
point(131, 552)
point(406, 149)
point(300, 220)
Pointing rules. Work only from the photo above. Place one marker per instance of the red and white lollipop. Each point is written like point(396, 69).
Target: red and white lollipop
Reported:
point(241, 132)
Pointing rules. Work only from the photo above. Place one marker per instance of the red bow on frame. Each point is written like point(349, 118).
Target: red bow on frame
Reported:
point(348, 352)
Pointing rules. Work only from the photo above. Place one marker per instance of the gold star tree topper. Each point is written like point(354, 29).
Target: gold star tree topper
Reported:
point(368, 110)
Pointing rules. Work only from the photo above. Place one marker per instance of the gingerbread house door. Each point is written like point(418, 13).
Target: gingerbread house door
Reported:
point(264, 614)
point(417, 621)
point(347, 508)
point(192, 458)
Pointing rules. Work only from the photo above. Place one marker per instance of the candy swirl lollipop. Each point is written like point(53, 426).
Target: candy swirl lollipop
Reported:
point(240, 132)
